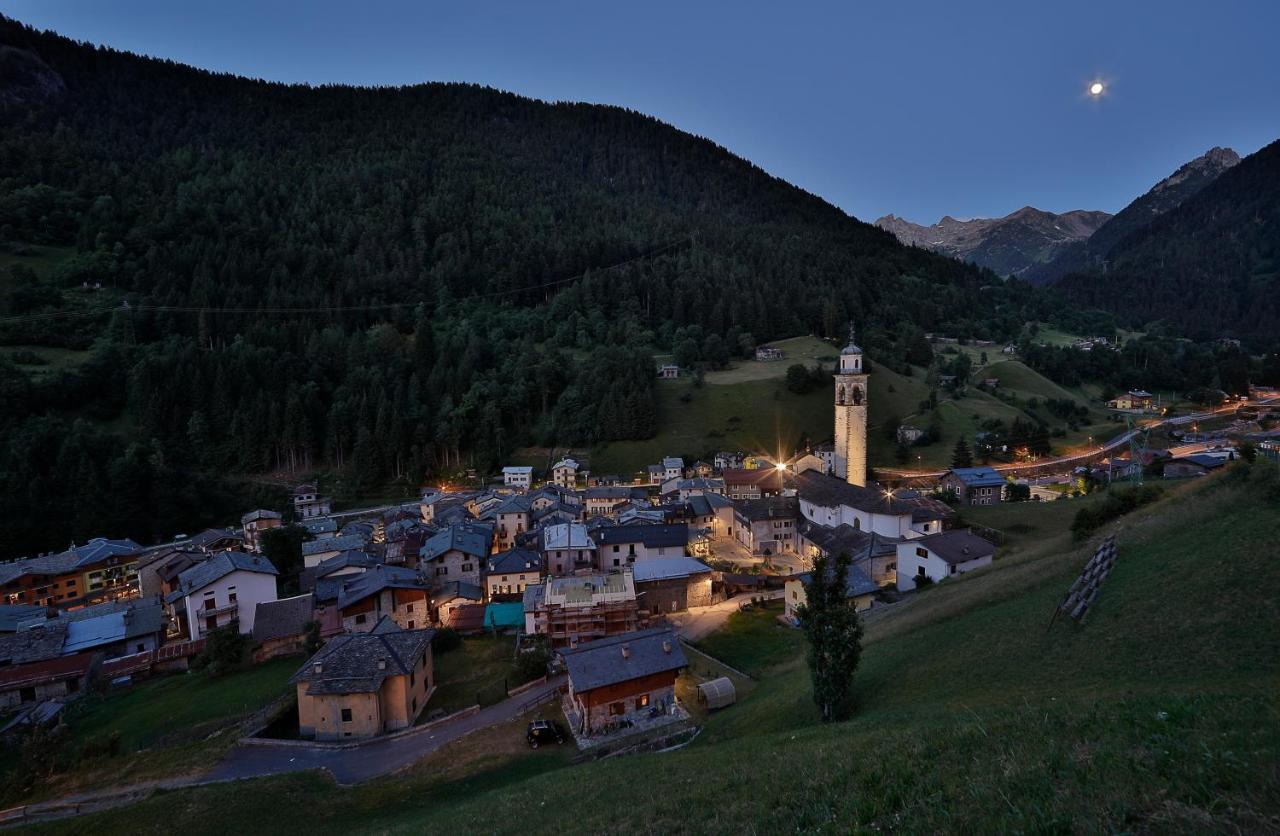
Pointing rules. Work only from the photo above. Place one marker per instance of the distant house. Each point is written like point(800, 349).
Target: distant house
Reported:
point(457, 552)
point(975, 485)
point(365, 684)
point(517, 477)
point(669, 371)
point(672, 467)
point(315, 552)
point(1197, 465)
point(826, 453)
point(908, 434)
point(508, 573)
point(672, 584)
point(33, 668)
point(858, 587)
point(1133, 399)
point(621, 677)
point(256, 522)
point(622, 545)
point(768, 354)
point(320, 528)
point(384, 592)
point(567, 547)
point(767, 526)
point(755, 483)
point(224, 590)
point(115, 628)
point(655, 474)
point(726, 460)
point(280, 627)
point(308, 504)
point(875, 555)
point(602, 500)
point(448, 598)
point(514, 518)
point(939, 556)
point(581, 608)
point(565, 474)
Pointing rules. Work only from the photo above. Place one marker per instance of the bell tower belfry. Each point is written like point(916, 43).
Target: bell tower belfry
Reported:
point(851, 415)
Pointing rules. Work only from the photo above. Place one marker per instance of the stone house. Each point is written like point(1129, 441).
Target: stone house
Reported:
point(365, 684)
point(621, 677)
point(672, 584)
point(457, 553)
point(975, 485)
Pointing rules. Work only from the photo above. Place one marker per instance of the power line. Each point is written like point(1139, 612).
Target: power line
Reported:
point(320, 309)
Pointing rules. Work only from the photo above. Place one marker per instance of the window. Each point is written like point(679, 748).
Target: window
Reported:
point(921, 551)
point(642, 701)
point(615, 709)
point(919, 571)
point(408, 607)
point(615, 551)
point(952, 569)
point(346, 715)
point(141, 647)
point(231, 594)
point(360, 619)
point(410, 625)
point(466, 567)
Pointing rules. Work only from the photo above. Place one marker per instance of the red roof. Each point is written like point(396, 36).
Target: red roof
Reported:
point(50, 670)
point(466, 617)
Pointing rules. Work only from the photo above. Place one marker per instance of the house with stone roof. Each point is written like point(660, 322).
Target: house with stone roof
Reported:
point(623, 677)
point(941, 556)
point(361, 685)
point(223, 590)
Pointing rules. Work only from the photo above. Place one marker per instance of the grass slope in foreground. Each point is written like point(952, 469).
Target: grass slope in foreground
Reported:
point(1158, 714)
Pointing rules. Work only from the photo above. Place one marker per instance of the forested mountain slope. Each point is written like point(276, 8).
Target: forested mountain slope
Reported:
point(392, 282)
point(1209, 268)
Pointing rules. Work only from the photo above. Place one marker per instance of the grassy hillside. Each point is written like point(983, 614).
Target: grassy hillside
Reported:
point(1159, 713)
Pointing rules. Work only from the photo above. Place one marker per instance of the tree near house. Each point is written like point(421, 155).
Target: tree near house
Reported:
point(283, 547)
point(829, 620)
point(962, 457)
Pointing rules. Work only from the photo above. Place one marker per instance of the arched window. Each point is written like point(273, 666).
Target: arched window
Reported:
point(857, 524)
point(857, 395)
point(839, 394)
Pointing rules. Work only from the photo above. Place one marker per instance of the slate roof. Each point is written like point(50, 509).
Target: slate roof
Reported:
point(323, 525)
point(620, 493)
point(358, 663)
point(957, 546)
point(454, 590)
point(652, 536)
point(34, 645)
point(768, 478)
point(514, 561)
point(857, 543)
point(282, 618)
point(1207, 462)
point(977, 477)
point(333, 544)
point(534, 595)
point(372, 581)
point(517, 469)
point(468, 539)
point(768, 508)
point(830, 492)
point(11, 615)
point(856, 581)
point(216, 568)
point(666, 568)
point(260, 514)
point(602, 662)
point(515, 505)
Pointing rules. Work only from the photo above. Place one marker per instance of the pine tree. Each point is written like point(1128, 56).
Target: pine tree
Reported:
point(961, 457)
point(829, 619)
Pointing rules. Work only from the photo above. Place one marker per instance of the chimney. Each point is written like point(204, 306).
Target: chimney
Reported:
point(626, 651)
point(666, 646)
point(382, 664)
point(317, 668)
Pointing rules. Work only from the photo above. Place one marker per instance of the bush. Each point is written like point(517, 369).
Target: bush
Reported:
point(226, 650)
point(1116, 504)
point(532, 662)
point(445, 639)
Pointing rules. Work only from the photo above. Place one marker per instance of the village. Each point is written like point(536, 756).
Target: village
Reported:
point(579, 595)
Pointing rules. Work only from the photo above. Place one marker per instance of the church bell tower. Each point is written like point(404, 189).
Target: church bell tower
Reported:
point(851, 415)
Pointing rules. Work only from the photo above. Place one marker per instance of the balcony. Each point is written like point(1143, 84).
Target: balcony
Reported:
point(213, 612)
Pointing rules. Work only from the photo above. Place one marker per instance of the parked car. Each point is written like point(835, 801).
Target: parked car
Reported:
point(544, 731)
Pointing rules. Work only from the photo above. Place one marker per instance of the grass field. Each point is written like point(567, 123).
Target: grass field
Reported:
point(167, 726)
point(753, 641)
point(480, 671)
point(756, 415)
point(39, 259)
point(51, 359)
point(973, 714)
point(808, 351)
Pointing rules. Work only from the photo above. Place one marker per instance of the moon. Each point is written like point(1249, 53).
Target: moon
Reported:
point(1096, 88)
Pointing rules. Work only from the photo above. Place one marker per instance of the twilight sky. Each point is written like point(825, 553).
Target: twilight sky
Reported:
point(922, 109)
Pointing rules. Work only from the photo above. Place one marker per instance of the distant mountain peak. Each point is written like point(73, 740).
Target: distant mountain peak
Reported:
point(1009, 245)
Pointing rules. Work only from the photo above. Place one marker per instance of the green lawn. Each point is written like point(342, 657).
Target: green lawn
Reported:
point(756, 415)
point(973, 714)
point(754, 641)
point(808, 351)
point(168, 726)
point(38, 258)
point(474, 672)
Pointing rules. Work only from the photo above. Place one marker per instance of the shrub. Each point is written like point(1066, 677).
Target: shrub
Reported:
point(445, 639)
point(1116, 504)
point(226, 650)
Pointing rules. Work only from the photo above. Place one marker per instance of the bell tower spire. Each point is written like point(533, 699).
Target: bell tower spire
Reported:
point(851, 415)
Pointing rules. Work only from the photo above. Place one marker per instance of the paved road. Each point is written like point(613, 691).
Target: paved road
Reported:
point(1115, 443)
point(699, 622)
point(351, 766)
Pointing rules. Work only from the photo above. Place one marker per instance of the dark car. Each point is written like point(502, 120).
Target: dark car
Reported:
point(544, 731)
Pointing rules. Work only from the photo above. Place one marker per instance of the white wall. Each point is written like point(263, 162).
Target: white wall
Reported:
point(252, 588)
point(909, 563)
